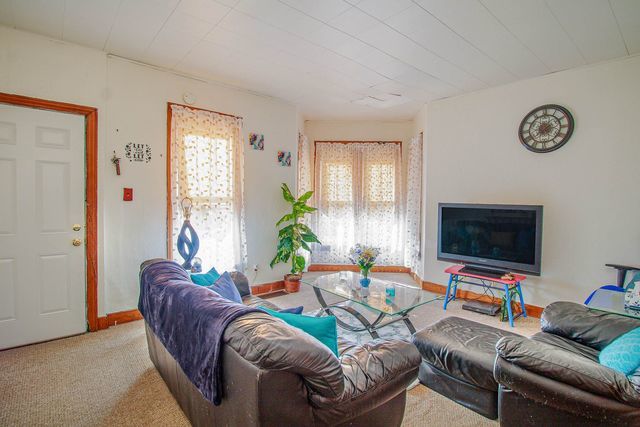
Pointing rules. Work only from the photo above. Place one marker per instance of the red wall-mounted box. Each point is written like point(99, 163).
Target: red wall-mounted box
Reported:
point(127, 194)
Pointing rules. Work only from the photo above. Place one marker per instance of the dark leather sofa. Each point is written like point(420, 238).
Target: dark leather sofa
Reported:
point(276, 375)
point(554, 377)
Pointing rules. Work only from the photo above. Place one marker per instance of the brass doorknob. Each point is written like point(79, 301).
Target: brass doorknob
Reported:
point(76, 242)
point(77, 227)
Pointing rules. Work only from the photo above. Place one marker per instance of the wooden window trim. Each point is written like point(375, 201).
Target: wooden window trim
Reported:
point(91, 192)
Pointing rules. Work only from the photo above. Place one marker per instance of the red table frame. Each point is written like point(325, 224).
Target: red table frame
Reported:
point(456, 277)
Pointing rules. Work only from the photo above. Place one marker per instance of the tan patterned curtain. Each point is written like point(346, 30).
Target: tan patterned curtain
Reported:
point(207, 166)
point(413, 222)
point(359, 197)
point(304, 165)
point(304, 183)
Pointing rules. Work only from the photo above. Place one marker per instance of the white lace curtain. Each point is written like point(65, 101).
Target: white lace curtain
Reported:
point(413, 221)
point(304, 180)
point(207, 166)
point(359, 197)
point(304, 165)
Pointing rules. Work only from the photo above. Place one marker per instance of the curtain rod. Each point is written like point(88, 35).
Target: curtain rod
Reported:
point(204, 109)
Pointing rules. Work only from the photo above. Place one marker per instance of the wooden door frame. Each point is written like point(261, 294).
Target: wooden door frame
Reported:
point(91, 187)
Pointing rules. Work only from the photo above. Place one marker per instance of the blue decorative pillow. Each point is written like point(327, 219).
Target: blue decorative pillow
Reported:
point(292, 310)
point(322, 328)
point(205, 279)
point(623, 353)
point(225, 287)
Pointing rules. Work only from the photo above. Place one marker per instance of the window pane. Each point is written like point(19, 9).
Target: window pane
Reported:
point(339, 183)
point(380, 182)
point(209, 167)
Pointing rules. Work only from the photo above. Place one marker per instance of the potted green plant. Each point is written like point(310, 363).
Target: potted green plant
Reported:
point(293, 237)
point(508, 299)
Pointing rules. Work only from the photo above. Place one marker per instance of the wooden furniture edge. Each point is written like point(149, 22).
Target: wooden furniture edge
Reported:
point(267, 288)
point(532, 310)
point(91, 189)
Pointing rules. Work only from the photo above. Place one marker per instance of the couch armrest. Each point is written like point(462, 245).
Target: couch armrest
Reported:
point(576, 322)
point(271, 344)
point(379, 364)
point(567, 368)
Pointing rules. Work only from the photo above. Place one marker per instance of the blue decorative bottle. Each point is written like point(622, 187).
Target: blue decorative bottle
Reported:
point(188, 245)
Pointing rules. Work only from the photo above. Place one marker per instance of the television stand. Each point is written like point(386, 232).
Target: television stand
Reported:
point(511, 287)
point(485, 272)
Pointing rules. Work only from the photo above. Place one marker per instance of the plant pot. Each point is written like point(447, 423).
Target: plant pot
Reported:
point(292, 283)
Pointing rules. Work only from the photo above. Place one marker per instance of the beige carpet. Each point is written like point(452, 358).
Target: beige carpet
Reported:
point(106, 379)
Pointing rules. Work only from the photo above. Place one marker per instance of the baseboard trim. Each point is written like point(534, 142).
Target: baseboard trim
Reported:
point(127, 316)
point(532, 310)
point(351, 267)
point(117, 318)
point(267, 288)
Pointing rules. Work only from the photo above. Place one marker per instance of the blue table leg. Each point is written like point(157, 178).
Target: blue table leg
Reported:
point(524, 309)
point(446, 296)
point(508, 301)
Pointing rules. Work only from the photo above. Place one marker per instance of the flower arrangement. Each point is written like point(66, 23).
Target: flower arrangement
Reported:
point(364, 257)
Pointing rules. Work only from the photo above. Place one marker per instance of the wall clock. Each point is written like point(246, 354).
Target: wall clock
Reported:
point(546, 128)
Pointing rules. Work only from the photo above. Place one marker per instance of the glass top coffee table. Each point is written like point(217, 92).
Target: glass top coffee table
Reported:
point(611, 302)
point(390, 309)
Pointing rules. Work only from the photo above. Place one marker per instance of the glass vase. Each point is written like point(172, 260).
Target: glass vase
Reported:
point(364, 278)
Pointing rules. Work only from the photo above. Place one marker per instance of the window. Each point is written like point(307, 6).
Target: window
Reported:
point(359, 199)
point(206, 166)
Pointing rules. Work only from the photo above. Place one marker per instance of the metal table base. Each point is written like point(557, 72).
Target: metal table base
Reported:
point(370, 327)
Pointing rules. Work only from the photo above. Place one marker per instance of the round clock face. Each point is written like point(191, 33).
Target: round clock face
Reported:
point(546, 128)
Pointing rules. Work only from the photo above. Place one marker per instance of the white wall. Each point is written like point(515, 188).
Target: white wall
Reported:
point(132, 101)
point(589, 187)
point(358, 130)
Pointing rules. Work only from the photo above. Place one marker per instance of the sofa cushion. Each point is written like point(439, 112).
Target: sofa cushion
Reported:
point(293, 310)
point(623, 354)
point(568, 345)
point(242, 283)
point(577, 323)
point(225, 287)
point(324, 329)
point(257, 302)
point(206, 279)
point(462, 348)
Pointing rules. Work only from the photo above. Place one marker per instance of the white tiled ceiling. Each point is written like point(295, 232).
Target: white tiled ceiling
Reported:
point(346, 59)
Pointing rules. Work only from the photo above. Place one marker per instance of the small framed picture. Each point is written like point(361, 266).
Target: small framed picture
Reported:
point(256, 140)
point(284, 158)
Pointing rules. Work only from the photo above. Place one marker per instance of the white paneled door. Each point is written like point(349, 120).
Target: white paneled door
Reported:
point(42, 233)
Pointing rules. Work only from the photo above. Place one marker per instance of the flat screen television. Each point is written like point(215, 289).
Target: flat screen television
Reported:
point(491, 238)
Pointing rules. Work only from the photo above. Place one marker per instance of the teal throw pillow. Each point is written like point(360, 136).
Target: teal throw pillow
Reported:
point(623, 353)
point(206, 279)
point(321, 328)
